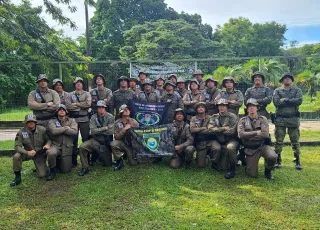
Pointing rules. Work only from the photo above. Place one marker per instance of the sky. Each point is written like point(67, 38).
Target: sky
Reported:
point(301, 16)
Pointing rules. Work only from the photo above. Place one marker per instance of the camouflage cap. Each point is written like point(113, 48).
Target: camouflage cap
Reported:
point(222, 101)
point(201, 103)
point(172, 75)
point(55, 81)
point(142, 72)
point(193, 80)
point(30, 117)
point(147, 82)
point(123, 78)
point(62, 106)
point(228, 78)
point(198, 72)
point(122, 108)
point(101, 103)
point(169, 83)
point(284, 75)
point(78, 79)
point(257, 74)
point(133, 79)
point(210, 78)
point(99, 75)
point(181, 80)
point(160, 77)
point(252, 101)
point(42, 77)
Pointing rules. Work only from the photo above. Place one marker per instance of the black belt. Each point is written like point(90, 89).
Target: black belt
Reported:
point(45, 118)
point(252, 147)
point(77, 115)
point(288, 115)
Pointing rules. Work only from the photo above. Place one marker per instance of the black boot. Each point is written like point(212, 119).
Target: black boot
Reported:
point(242, 157)
point(297, 163)
point(119, 165)
point(278, 162)
point(17, 179)
point(268, 174)
point(215, 166)
point(188, 165)
point(231, 173)
point(74, 160)
point(52, 174)
point(83, 172)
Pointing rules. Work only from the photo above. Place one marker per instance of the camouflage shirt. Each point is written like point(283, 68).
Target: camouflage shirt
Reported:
point(80, 110)
point(151, 97)
point(210, 96)
point(230, 96)
point(119, 98)
point(120, 133)
point(287, 111)
point(189, 101)
point(176, 102)
point(101, 126)
point(182, 135)
point(97, 95)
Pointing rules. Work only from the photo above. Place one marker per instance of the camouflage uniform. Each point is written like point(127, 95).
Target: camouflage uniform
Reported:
point(262, 94)
point(26, 141)
point(151, 97)
point(122, 142)
point(63, 133)
point(102, 129)
point(188, 101)
point(182, 137)
point(173, 105)
point(97, 95)
point(136, 90)
point(63, 96)
point(40, 106)
point(253, 133)
point(80, 114)
point(202, 84)
point(287, 117)
point(210, 95)
point(203, 141)
point(225, 147)
point(120, 97)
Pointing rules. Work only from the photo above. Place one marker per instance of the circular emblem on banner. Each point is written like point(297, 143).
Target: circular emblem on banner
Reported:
point(190, 71)
point(148, 118)
point(152, 143)
point(136, 72)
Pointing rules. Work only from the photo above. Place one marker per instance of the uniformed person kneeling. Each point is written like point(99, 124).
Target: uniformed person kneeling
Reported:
point(122, 143)
point(254, 132)
point(183, 141)
point(32, 142)
point(101, 127)
point(225, 147)
point(62, 130)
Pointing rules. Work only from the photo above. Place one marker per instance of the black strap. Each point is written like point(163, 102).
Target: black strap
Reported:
point(147, 98)
point(98, 97)
point(77, 96)
point(42, 99)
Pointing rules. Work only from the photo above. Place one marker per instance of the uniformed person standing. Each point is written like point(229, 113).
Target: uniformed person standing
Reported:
point(101, 127)
point(31, 142)
point(159, 85)
point(210, 93)
point(133, 85)
point(174, 101)
point(225, 147)
point(198, 75)
point(148, 95)
point(121, 96)
point(199, 128)
point(78, 103)
point(122, 138)
point(254, 131)
point(183, 141)
point(234, 97)
point(287, 100)
point(101, 92)
point(261, 93)
point(43, 101)
point(192, 98)
point(181, 87)
point(63, 129)
point(142, 77)
point(58, 86)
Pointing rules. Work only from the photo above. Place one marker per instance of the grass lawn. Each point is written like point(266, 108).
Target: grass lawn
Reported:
point(14, 114)
point(157, 197)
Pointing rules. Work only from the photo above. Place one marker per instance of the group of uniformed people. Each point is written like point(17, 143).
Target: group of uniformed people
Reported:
point(205, 121)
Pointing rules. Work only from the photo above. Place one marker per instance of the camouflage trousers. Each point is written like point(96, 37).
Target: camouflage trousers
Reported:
point(91, 146)
point(225, 155)
point(183, 154)
point(294, 135)
point(118, 147)
point(39, 162)
point(253, 156)
point(65, 155)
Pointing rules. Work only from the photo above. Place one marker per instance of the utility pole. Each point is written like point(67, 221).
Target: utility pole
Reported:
point(88, 47)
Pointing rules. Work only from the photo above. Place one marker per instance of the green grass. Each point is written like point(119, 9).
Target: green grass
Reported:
point(14, 114)
point(157, 197)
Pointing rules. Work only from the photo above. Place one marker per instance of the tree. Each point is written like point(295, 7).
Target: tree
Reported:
point(165, 39)
point(221, 72)
point(247, 39)
point(309, 80)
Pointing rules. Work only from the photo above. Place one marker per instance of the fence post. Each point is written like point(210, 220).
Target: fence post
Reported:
point(195, 65)
point(259, 64)
point(60, 71)
point(130, 68)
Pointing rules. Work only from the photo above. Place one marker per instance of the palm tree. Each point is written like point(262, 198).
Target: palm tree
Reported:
point(309, 80)
point(222, 72)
